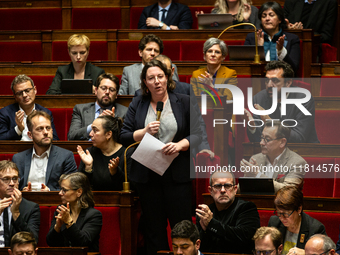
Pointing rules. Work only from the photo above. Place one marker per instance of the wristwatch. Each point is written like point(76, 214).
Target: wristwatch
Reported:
point(161, 24)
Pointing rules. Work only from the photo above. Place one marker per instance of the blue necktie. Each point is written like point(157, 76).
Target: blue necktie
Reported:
point(163, 15)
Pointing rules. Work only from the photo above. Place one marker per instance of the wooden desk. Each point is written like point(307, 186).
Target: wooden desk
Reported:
point(303, 149)
point(57, 251)
point(63, 101)
point(266, 202)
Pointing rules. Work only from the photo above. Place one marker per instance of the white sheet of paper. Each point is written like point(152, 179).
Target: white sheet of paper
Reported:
point(149, 154)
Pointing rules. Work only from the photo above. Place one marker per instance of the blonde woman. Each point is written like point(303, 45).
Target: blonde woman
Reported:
point(78, 50)
point(242, 11)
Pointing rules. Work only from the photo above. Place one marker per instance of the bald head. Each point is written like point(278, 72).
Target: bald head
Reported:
point(319, 244)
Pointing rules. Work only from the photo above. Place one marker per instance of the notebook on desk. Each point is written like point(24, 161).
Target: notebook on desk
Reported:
point(214, 21)
point(76, 87)
point(244, 52)
point(256, 186)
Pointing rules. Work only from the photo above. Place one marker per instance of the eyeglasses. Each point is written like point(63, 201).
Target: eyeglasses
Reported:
point(325, 252)
point(226, 186)
point(63, 190)
point(8, 180)
point(284, 215)
point(256, 252)
point(104, 88)
point(267, 140)
point(21, 93)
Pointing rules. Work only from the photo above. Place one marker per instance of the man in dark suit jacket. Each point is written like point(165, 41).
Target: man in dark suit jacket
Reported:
point(319, 15)
point(18, 214)
point(13, 117)
point(165, 15)
point(84, 114)
point(279, 75)
point(42, 165)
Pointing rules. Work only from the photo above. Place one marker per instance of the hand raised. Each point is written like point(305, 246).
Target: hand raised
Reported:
point(113, 165)
point(19, 120)
point(85, 157)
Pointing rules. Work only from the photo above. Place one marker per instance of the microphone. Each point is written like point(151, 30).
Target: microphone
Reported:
point(159, 109)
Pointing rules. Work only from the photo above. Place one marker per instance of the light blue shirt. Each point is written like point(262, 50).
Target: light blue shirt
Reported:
point(96, 114)
point(160, 13)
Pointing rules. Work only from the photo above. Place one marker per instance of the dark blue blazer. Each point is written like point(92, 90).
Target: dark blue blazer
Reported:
point(84, 232)
point(178, 15)
point(28, 220)
point(186, 89)
point(187, 127)
point(293, 48)
point(7, 122)
point(322, 18)
point(60, 161)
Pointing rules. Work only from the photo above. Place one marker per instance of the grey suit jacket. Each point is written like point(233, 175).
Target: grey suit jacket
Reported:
point(60, 161)
point(131, 79)
point(294, 165)
point(83, 115)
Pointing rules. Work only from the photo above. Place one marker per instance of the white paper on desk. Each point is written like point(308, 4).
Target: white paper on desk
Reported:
point(149, 153)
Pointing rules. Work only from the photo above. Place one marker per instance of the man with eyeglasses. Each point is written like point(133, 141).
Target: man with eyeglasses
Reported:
point(268, 241)
point(13, 117)
point(276, 160)
point(42, 165)
point(278, 75)
point(23, 243)
point(84, 114)
point(319, 244)
point(227, 225)
point(16, 213)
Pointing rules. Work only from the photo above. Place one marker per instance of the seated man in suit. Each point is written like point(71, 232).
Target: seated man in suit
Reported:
point(23, 242)
point(166, 15)
point(227, 225)
point(17, 213)
point(279, 74)
point(42, 165)
point(149, 47)
point(276, 160)
point(268, 239)
point(84, 114)
point(13, 117)
point(317, 15)
point(185, 238)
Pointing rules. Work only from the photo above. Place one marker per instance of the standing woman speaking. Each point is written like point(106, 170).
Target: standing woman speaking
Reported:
point(168, 196)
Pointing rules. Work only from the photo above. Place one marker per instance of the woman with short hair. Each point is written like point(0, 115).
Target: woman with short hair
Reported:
point(295, 226)
point(79, 69)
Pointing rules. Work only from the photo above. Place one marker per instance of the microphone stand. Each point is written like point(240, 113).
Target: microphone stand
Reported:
point(126, 184)
point(257, 56)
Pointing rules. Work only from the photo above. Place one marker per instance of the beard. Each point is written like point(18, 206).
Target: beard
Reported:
point(106, 102)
